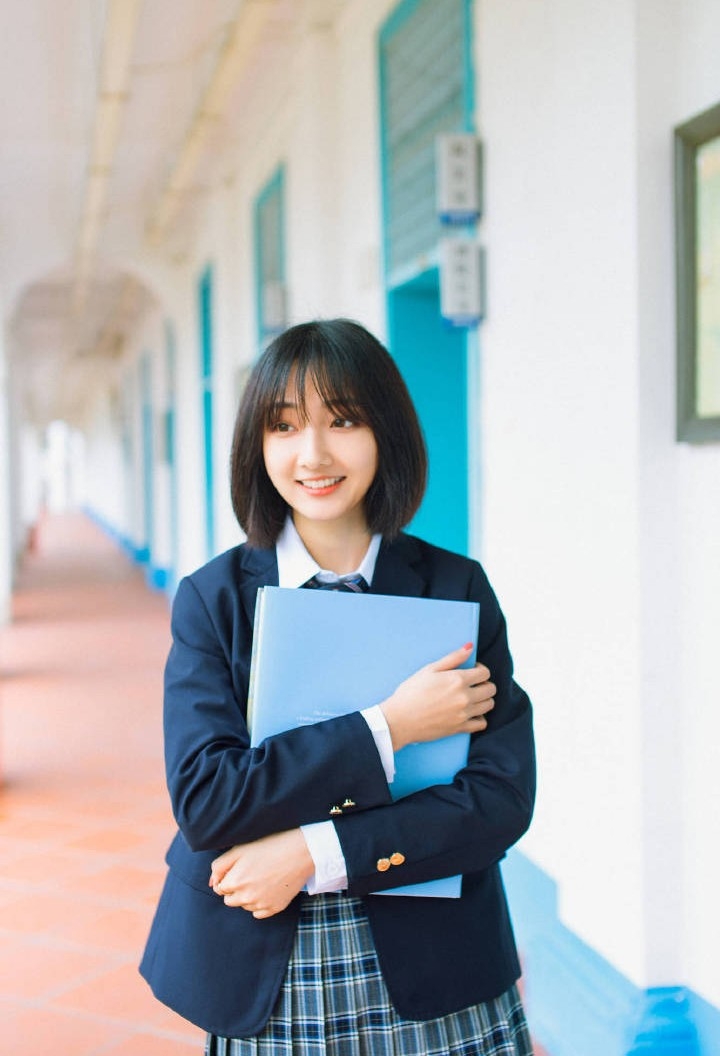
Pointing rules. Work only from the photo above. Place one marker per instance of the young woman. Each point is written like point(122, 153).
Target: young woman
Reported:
point(268, 934)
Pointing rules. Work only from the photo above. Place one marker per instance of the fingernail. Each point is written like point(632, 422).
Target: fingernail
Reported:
point(468, 645)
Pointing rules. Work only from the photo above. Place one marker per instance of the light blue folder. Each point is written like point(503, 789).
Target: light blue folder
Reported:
point(318, 654)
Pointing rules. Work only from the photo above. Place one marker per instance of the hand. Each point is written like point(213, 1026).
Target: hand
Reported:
point(440, 699)
point(263, 877)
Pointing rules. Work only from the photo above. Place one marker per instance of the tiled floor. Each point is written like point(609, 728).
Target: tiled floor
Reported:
point(84, 816)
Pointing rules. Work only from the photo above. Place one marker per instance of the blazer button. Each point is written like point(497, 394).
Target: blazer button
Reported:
point(397, 858)
point(335, 810)
point(383, 864)
point(349, 802)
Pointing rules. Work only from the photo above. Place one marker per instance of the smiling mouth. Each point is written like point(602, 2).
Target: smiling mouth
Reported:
point(321, 484)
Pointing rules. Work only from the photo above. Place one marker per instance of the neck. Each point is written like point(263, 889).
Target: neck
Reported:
point(337, 551)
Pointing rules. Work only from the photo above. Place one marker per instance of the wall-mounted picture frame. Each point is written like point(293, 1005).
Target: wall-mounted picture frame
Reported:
point(697, 222)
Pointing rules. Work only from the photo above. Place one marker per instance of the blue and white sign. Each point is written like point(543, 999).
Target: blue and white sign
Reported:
point(461, 281)
point(458, 171)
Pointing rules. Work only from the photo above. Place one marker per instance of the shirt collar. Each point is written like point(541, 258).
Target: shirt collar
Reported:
point(296, 566)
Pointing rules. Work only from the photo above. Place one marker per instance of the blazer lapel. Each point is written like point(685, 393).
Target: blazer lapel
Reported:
point(398, 569)
point(259, 569)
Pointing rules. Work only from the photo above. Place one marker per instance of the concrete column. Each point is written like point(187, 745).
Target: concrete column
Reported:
point(6, 546)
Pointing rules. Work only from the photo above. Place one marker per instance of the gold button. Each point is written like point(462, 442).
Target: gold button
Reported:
point(397, 858)
point(349, 802)
point(383, 864)
point(336, 810)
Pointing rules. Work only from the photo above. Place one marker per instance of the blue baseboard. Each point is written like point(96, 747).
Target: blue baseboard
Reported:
point(156, 577)
point(578, 1004)
point(666, 1027)
point(706, 1018)
point(112, 532)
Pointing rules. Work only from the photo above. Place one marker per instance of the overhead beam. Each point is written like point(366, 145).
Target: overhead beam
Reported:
point(232, 60)
point(113, 84)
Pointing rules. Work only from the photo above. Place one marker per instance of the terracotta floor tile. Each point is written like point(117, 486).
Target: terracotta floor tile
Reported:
point(8, 895)
point(133, 882)
point(34, 968)
point(136, 884)
point(121, 995)
point(109, 841)
point(62, 869)
point(41, 1032)
point(124, 930)
point(38, 829)
point(155, 1045)
point(84, 815)
point(47, 913)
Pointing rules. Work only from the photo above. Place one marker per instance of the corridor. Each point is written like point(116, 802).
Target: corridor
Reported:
point(84, 816)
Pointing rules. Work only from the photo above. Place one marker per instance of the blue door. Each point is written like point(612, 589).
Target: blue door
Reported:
point(433, 361)
point(206, 388)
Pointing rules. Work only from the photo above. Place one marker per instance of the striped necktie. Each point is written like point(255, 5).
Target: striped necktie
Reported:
point(354, 584)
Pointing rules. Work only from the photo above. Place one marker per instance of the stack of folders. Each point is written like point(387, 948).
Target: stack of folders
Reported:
point(318, 654)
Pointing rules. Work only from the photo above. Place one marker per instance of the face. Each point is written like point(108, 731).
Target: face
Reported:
point(322, 465)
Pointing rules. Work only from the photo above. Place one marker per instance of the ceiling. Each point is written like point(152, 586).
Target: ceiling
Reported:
point(112, 113)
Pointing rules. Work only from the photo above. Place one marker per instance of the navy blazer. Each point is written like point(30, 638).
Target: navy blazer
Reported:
point(220, 967)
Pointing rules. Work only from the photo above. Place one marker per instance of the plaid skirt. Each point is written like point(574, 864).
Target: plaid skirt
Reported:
point(334, 1002)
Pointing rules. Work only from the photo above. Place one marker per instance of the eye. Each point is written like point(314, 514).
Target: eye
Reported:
point(281, 427)
point(343, 423)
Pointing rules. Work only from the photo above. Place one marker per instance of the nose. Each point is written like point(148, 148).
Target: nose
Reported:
point(314, 451)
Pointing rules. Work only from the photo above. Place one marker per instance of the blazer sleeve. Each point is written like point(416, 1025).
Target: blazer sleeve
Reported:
point(468, 825)
point(223, 791)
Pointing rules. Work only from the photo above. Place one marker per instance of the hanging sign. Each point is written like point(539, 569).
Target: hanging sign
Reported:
point(458, 195)
point(461, 281)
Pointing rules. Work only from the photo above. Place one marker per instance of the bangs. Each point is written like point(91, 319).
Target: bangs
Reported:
point(318, 366)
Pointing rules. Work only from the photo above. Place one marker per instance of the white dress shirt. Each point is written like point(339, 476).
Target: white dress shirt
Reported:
point(295, 567)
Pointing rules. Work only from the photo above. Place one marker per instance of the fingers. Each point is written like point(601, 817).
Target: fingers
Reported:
point(220, 866)
point(481, 701)
point(460, 656)
point(453, 659)
point(481, 673)
point(260, 910)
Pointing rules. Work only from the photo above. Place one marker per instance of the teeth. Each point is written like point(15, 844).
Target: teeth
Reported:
point(326, 482)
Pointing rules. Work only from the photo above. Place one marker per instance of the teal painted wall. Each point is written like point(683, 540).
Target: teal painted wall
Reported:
point(205, 309)
point(433, 360)
point(170, 442)
point(269, 250)
point(147, 456)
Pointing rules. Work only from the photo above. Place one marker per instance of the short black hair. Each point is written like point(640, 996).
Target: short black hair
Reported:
point(357, 377)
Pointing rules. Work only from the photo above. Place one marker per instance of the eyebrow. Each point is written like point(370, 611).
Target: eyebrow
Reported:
point(292, 405)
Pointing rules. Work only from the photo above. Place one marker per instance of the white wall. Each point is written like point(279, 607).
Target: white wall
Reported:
point(695, 87)
point(560, 445)
point(106, 486)
point(601, 532)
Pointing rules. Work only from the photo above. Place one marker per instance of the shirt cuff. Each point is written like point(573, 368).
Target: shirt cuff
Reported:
point(380, 730)
point(325, 850)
